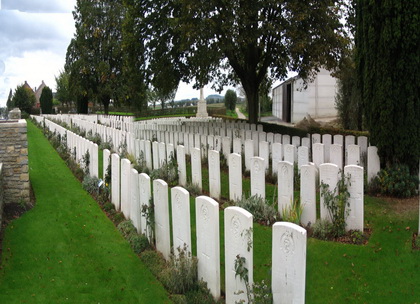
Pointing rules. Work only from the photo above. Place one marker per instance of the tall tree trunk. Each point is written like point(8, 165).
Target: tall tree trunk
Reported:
point(82, 105)
point(105, 101)
point(252, 97)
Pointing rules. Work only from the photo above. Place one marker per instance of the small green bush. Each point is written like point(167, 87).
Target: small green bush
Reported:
point(323, 230)
point(396, 182)
point(126, 228)
point(90, 184)
point(181, 274)
point(138, 242)
point(263, 212)
point(108, 206)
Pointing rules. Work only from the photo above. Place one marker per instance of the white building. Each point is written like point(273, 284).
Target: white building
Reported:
point(292, 101)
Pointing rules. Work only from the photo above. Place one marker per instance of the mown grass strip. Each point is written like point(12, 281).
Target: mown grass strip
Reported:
point(65, 249)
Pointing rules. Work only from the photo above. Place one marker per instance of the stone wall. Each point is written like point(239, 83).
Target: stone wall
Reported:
point(14, 156)
point(1, 194)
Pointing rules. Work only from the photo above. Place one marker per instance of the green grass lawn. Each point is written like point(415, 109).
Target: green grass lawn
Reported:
point(66, 242)
point(65, 250)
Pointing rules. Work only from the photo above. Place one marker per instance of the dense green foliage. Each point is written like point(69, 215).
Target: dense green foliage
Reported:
point(388, 59)
point(9, 102)
point(46, 100)
point(63, 88)
point(235, 42)
point(230, 100)
point(395, 181)
point(24, 99)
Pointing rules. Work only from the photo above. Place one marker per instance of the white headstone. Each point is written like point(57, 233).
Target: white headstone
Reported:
point(196, 168)
point(264, 153)
point(288, 263)
point(303, 156)
point(316, 139)
point(353, 155)
point(162, 229)
point(336, 155)
point(285, 181)
point(308, 194)
point(115, 181)
point(135, 208)
point(182, 166)
point(249, 153)
point(355, 217)
point(148, 154)
point(338, 139)
point(235, 177)
point(214, 174)
point(276, 155)
point(181, 228)
point(329, 175)
point(208, 243)
point(106, 162)
point(258, 177)
point(362, 142)
point(145, 193)
point(327, 141)
point(155, 151)
point(296, 141)
point(237, 146)
point(238, 242)
point(285, 139)
point(318, 154)
point(374, 164)
point(162, 154)
point(289, 153)
point(125, 187)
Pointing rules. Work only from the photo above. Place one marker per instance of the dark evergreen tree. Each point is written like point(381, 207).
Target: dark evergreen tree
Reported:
point(388, 60)
point(230, 100)
point(46, 100)
point(9, 103)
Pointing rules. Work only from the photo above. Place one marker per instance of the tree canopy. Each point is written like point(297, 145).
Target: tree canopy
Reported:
point(246, 41)
point(46, 100)
point(63, 88)
point(388, 60)
point(230, 100)
point(24, 99)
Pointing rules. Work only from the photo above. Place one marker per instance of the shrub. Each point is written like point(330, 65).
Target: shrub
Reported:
point(90, 184)
point(126, 228)
point(168, 172)
point(395, 181)
point(293, 213)
point(323, 230)
point(138, 242)
point(337, 204)
point(263, 212)
point(181, 274)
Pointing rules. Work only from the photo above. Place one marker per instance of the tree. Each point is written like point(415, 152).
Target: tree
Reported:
point(24, 99)
point(95, 52)
point(244, 41)
point(46, 100)
point(63, 88)
point(9, 103)
point(230, 100)
point(387, 60)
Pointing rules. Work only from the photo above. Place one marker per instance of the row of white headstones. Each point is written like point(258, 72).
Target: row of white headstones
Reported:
point(328, 174)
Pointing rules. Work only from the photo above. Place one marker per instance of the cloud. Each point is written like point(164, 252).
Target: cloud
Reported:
point(38, 6)
point(34, 36)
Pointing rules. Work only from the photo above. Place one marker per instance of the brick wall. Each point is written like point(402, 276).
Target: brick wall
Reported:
point(14, 156)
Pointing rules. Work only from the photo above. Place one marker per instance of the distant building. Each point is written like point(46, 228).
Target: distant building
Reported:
point(292, 101)
point(38, 93)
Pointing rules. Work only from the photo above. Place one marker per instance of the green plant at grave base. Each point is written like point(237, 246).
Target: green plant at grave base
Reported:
point(148, 211)
point(357, 237)
point(223, 163)
point(122, 149)
point(168, 172)
point(323, 229)
point(141, 165)
point(106, 144)
point(96, 138)
point(337, 203)
point(296, 177)
point(138, 242)
point(193, 189)
point(91, 184)
point(395, 181)
point(108, 173)
point(263, 212)
point(293, 213)
point(180, 275)
point(417, 242)
point(259, 292)
point(86, 162)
